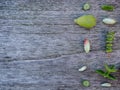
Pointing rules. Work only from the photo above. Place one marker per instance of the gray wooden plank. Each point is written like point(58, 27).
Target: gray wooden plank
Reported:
point(42, 49)
point(56, 74)
point(51, 5)
point(37, 46)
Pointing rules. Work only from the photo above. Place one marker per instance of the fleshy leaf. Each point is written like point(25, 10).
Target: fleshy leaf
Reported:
point(86, 21)
point(106, 85)
point(107, 68)
point(86, 6)
point(86, 45)
point(110, 68)
point(109, 21)
point(107, 7)
point(111, 77)
point(100, 72)
point(86, 83)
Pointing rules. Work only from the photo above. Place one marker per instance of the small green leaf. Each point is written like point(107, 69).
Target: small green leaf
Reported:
point(111, 77)
point(86, 6)
point(110, 68)
point(109, 45)
point(109, 39)
point(110, 36)
point(100, 72)
point(86, 83)
point(107, 68)
point(107, 7)
point(113, 69)
point(108, 50)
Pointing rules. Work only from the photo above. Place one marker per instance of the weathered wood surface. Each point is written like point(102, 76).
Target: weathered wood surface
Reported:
point(42, 49)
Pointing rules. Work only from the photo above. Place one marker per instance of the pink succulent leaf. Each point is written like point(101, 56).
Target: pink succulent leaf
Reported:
point(86, 45)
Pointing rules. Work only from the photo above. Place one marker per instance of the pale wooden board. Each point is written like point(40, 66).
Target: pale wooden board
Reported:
point(41, 48)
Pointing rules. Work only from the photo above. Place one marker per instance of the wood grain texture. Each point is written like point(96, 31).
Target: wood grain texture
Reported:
point(41, 48)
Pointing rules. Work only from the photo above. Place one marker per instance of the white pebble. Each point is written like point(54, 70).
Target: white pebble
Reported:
point(82, 68)
point(106, 85)
point(109, 21)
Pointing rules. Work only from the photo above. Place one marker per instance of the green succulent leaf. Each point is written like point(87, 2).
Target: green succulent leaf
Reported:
point(86, 83)
point(86, 6)
point(109, 39)
point(107, 68)
point(111, 77)
point(109, 45)
point(113, 69)
point(110, 68)
point(110, 36)
point(86, 21)
point(101, 72)
point(107, 7)
point(108, 50)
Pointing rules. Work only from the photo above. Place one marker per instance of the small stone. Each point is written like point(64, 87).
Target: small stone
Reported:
point(109, 21)
point(106, 85)
point(83, 68)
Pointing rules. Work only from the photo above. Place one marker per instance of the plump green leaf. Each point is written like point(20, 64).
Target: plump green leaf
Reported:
point(86, 21)
point(86, 6)
point(107, 7)
point(109, 39)
point(86, 83)
point(108, 50)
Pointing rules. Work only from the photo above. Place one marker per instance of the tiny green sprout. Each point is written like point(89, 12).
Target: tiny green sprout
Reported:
point(85, 83)
point(107, 74)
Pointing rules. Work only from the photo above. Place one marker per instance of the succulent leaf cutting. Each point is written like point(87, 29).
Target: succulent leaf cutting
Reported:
point(109, 21)
point(86, 6)
point(107, 7)
point(85, 83)
point(107, 74)
point(86, 45)
point(86, 21)
point(109, 41)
